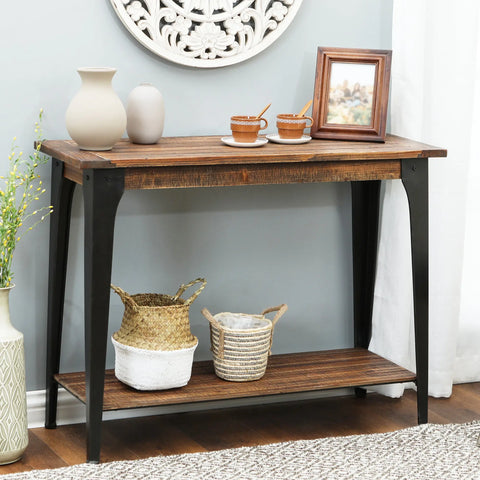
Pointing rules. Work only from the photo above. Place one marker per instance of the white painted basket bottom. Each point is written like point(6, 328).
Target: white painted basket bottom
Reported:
point(153, 369)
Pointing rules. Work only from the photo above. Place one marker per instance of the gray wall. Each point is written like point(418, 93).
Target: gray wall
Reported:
point(257, 246)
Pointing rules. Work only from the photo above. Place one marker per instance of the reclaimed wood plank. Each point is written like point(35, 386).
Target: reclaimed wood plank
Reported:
point(209, 150)
point(137, 178)
point(74, 174)
point(67, 151)
point(286, 373)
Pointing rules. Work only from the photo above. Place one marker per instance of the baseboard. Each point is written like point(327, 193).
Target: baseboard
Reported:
point(70, 410)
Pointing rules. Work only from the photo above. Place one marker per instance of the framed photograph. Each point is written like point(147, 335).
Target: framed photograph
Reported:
point(351, 94)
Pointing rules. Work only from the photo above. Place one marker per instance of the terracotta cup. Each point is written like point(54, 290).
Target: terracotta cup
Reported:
point(290, 126)
point(245, 128)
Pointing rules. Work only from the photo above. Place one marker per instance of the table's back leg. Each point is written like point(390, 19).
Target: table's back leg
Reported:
point(61, 199)
point(415, 181)
point(365, 212)
point(102, 191)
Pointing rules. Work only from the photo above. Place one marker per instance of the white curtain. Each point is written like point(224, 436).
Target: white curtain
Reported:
point(435, 99)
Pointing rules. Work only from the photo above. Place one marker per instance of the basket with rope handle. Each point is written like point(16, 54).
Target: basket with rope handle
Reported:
point(241, 343)
point(154, 321)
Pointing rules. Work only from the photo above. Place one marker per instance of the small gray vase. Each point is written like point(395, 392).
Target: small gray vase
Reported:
point(145, 114)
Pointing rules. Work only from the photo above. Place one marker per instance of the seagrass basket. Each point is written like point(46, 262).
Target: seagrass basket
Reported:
point(154, 346)
point(241, 343)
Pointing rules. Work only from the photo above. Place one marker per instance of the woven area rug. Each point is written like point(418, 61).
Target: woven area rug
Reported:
point(426, 452)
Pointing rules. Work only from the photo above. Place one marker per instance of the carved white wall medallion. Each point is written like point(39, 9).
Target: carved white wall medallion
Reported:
point(206, 33)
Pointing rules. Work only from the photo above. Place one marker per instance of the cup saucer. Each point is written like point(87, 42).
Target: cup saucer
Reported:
point(232, 143)
point(290, 141)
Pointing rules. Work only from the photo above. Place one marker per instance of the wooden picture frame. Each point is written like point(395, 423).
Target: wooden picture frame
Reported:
point(351, 94)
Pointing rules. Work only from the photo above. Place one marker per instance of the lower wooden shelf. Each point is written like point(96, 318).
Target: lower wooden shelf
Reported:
point(286, 373)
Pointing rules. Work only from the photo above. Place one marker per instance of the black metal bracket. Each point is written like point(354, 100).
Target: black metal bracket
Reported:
point(102, 190)
point(61, 201)
point(415, 181)
point(365, 214)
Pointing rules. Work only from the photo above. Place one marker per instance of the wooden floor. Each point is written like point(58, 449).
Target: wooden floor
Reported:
point(213, 430)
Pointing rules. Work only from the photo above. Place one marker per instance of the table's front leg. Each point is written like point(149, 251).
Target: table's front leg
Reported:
point(61, 200)
point(102, 190)
point(415, 181)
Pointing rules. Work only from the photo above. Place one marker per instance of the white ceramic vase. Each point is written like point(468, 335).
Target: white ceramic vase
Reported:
point(13, 404)
point(96, 118)
point(145, 114)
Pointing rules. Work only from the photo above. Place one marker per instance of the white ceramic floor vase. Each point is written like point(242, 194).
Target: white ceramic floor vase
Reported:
point(96, 118)
point(145, 114)
point(13, 404)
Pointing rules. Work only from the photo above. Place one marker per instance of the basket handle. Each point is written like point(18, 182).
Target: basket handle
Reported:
point(125, 297)
point(221, 331)
point(182, 289)
point(211, 318)
point(281, 309)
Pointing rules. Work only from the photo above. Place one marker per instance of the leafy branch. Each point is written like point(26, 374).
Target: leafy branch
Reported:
point(22, 189)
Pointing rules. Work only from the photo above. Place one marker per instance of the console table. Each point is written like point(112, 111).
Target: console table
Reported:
point(188, 162)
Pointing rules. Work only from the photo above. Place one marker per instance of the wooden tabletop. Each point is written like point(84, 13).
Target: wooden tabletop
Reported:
point(185, 151)
point(186, 162)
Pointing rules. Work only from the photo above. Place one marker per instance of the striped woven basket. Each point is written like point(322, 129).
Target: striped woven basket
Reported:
point(241, 343)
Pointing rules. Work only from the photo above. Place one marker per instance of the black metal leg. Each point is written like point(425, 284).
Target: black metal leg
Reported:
point(103, 190)
point(365, 212)
point(61, 200)
point(415, 181)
